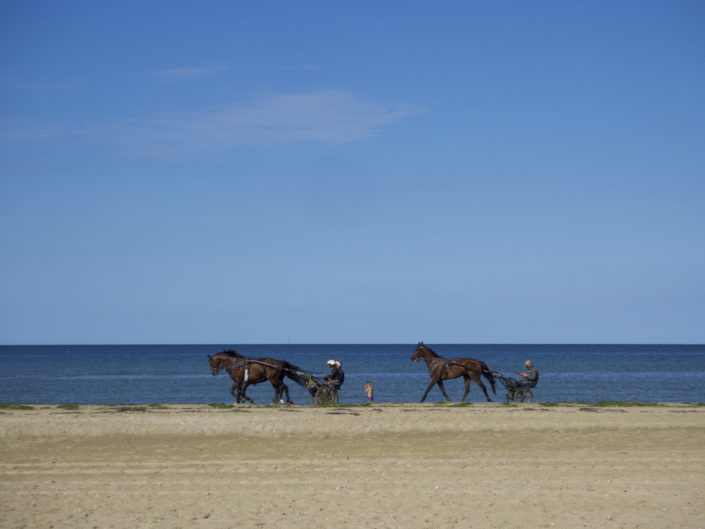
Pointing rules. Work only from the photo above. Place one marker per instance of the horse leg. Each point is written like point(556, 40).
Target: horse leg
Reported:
point(433, 382)
point(443, 390)
point(478, 381)
point(276, 379)
point(240, 394)
point(277, 382)
point(466, 383)
point(278, 390)
point(243, 396)
point(280, 393)
point(285, 391)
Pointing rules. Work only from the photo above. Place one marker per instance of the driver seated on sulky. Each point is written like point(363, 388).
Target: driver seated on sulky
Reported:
point(530, 377)
point(335, 376)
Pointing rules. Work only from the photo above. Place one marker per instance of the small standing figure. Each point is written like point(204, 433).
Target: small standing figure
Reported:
point(369, 391)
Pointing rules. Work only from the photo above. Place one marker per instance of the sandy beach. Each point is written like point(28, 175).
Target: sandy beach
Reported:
point(195, 466)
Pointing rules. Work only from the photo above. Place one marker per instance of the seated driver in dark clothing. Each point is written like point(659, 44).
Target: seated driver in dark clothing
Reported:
point(335, 376)
point(530, 377)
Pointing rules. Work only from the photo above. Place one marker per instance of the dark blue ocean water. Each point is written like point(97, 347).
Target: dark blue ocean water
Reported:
point(140, 374)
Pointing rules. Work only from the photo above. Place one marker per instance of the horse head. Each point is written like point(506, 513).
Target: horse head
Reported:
point(419, 352)
point(214, 365)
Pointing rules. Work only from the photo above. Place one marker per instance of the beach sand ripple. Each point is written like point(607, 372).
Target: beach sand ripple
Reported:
point(407, 466)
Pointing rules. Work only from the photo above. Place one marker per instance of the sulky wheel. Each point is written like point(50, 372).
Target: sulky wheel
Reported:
point(326, 395)
point(523, 395)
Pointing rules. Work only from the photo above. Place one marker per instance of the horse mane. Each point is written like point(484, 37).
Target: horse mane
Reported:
point(232, 353)
point(421, 344)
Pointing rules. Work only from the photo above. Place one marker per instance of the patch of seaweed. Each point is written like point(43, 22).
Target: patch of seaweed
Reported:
point(131, 409)
point(13, 406)
point(220, 405)
point(624, 404)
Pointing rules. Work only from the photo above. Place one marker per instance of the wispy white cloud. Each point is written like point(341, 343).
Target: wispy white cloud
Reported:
point(193, 72)
point(323, 116)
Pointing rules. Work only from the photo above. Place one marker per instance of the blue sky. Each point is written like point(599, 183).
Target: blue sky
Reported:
point(248, 172)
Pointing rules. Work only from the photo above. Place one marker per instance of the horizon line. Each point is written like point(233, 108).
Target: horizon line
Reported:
point(340, 343)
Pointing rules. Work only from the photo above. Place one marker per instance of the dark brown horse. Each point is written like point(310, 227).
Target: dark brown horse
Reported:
point(441, 369)
point(246, 371)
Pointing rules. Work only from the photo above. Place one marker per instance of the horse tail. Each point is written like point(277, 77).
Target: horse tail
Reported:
point(297, 374)
point(488, 375)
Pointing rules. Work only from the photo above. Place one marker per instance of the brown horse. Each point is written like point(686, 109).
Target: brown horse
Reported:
point(246, 371)
point(441, 369)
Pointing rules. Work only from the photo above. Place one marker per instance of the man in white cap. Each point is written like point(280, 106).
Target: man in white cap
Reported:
point(335, 376)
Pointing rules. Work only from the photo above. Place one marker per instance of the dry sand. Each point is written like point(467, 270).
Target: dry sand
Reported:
point(370, 467)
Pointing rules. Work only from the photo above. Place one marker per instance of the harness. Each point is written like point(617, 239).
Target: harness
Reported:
point(310, 381)
point(449, 363)
point(247, 361)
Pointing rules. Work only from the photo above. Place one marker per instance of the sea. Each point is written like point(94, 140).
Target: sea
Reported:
point(148, 374)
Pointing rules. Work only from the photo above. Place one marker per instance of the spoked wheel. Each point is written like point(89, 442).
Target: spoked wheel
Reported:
point(523, 395)
point(326, 395)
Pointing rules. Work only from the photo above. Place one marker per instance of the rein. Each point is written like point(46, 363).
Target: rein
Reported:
point(451, 363)
point(247, 361)
point(447, 363)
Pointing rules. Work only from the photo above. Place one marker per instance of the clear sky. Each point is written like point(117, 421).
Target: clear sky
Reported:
point(248, 172)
